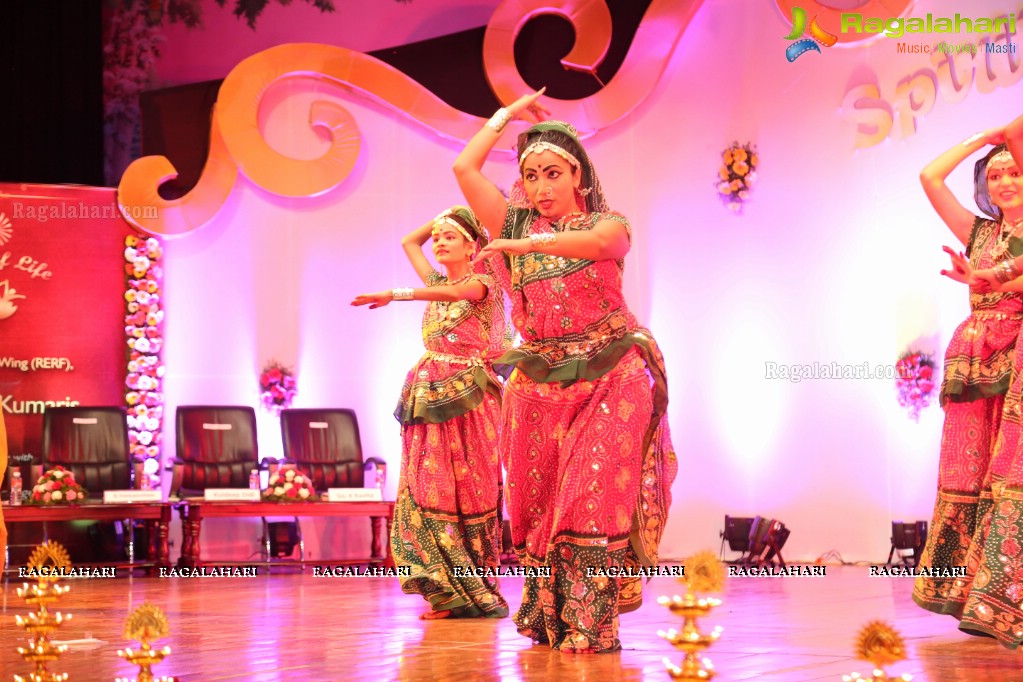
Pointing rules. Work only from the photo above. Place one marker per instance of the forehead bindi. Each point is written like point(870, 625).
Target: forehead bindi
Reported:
point(542, 161)
point(1002, 167)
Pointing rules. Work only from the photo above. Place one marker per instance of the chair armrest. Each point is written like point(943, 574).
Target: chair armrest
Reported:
point(375, 461)
point(138, 471)
point(179, 472)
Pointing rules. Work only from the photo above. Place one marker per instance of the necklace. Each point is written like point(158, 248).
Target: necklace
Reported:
point(569, 221)
point(460, 279)
point(1008, 231)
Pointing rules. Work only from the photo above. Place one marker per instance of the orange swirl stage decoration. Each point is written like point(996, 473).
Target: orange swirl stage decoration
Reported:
point(661, 29)
point(236, 143)
point(141, 182)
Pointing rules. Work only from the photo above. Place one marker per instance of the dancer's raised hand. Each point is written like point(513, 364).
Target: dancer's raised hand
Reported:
point(529, 108)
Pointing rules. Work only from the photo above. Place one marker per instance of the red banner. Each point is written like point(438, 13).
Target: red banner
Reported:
point(62, 306)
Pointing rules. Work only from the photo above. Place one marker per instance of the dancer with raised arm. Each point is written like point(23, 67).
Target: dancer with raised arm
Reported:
point(447, 515)
point(978, 371)
point(584, 433)
point(993, 591)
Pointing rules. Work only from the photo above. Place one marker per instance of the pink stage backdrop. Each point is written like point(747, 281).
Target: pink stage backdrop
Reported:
point(62, 285)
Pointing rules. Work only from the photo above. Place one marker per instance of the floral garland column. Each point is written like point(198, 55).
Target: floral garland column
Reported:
point(143, 327)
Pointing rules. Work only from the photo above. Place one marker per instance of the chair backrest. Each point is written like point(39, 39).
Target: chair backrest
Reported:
point(91, 442)
point(216, 446)
point(325, 444)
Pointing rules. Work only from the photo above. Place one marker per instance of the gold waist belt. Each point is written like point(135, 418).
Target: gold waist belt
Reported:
point(992, 315)
point(455, 359)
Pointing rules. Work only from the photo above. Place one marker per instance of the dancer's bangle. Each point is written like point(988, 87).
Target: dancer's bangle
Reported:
point(402, 294)
point(499, 120)
point(972, 138)
point(544, 239)
point(1007, 270)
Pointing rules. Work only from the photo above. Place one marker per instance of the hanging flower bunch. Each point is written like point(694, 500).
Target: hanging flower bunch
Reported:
point(737, 174)
point(57, 486)
point(143, 327)
point(288, 484)
point(914, 382)
point(131, 48)
point(278, 387)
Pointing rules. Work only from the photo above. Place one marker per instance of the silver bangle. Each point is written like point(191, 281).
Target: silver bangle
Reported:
point(972, 138)
point(499, 120)
point(543, 239)
point(402, 294)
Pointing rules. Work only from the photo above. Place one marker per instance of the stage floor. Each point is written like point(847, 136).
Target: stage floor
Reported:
point(293, 626)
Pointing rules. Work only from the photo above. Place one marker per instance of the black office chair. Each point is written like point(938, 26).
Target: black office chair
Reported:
point(92, 443)
point(323, 443)
point(216, 448)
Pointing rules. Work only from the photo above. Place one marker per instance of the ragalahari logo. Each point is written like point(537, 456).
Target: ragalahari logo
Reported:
point(827, 26)
point(815, 34)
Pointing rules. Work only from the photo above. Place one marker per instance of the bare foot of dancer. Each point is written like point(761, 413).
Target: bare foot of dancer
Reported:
point(576, 644)
point(435, 615)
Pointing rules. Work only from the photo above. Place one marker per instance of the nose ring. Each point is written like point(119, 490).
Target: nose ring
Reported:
point(549, 191)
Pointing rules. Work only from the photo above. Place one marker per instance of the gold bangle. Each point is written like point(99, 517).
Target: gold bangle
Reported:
point(499, 120)
point(402, 294)
point(1011, 268)
point(1004, 272)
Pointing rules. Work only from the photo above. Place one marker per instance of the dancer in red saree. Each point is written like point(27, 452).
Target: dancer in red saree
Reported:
point(988, 601)
point(584, 435)
point(449, 488)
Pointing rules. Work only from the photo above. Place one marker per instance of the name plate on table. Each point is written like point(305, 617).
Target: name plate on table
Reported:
point(231, 495)
point(354, 495)
point(119, 496)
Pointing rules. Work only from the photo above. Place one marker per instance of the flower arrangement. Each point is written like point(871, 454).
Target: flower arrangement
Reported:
point(288, 484)
point(914, 381)
point(57, 486)
point(278, 387)
point(737, 174)
point(143, 328)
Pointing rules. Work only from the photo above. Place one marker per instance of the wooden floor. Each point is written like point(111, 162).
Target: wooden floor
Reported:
point(293, 626)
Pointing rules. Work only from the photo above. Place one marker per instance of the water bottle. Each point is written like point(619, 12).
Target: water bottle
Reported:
point(15, 488)
point(254, 479)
